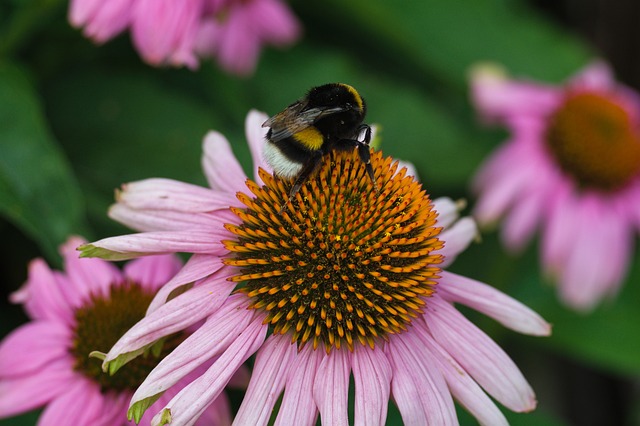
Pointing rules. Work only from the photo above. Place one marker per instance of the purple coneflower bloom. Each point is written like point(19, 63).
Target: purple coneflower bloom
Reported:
point(177, 32)
point(46, 363)
point(571, 167)
point(345, 281)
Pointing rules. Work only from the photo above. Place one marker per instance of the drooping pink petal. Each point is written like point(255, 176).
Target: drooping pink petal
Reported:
point(221, 168)
point(42, 295)
point(164, 31)
point(483, 359)
point(462, 386)
point(522, 220)
point(207, 342)
point(493, 303)
point(238, 47)
point(298, 406)
point(154, 271)
point(372, 375)
point(418, 387)
point(587, 276)
point(218, 413)
point(199, 302)
point(192, 400)
point(81, 11)
point(559, 231)
point(196, 268)
point(273, 363)
point(331, 387)
point(110, 18)
point(25, 393)
point(148, 220)
point(29, 348)
point(273, 21)
point(162, 242)
point(168, 194)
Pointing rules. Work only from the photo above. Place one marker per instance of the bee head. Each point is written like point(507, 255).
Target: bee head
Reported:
point(337, 97)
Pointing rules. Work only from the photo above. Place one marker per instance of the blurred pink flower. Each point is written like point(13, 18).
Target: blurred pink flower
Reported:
point(45, 363)
point(359, 292)
point(570, 167)
point(177, 32)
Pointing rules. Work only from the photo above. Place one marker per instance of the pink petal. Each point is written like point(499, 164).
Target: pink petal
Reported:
point(207, 342)
point(22, 394)
point(148, 220)
point(164, 30)
point(109, 19)
point(498, 97)
point(192, 400)
point(479, 355)
point(168, 194)
point(448, 211)
point(523, 219)
point(559, 231)
point(256, 135)
point(87, 276)
point(273, 362)
point(196, 268)
point(596, 76)
point(79, 404)
point(500, 193)
point(161, 242)
point(38, 343)
point(199, 302)
point(273, 21)
point(239, 46)
point(42, 294)
point(221, 167)
point(493, 303)
point(331, 387)
point(372, 376)
point(588, 275)
point(462, 386)
point(456, 239)
point(218, 413)
point(297, 405)
point(418, 387)
point(154, 271)
point(81, 11)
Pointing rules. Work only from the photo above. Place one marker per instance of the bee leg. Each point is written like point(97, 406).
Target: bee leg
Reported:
point(307, 170)
point(363, 152)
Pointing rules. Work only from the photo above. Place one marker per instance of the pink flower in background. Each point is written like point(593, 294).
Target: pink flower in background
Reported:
point(178, 32)
point(46, 363)
point(346, 280)
point(571, 168)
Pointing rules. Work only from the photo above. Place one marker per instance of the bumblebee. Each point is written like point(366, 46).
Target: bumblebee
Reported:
point(328, 118)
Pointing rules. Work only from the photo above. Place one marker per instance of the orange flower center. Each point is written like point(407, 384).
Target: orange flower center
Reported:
point(594, 141)
point(342, 263)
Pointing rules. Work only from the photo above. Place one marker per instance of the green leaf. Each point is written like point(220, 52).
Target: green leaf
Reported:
point(38, 191)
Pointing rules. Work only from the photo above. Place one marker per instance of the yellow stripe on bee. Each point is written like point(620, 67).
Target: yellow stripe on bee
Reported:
point(355, 94)
point(310, 137)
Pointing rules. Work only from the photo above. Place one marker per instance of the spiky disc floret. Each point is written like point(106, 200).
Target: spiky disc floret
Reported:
point(342, 263)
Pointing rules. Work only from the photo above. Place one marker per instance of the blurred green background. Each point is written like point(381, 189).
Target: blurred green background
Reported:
point(77, 121)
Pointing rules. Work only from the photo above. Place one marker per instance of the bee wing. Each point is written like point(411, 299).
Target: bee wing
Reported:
point(295, 118)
